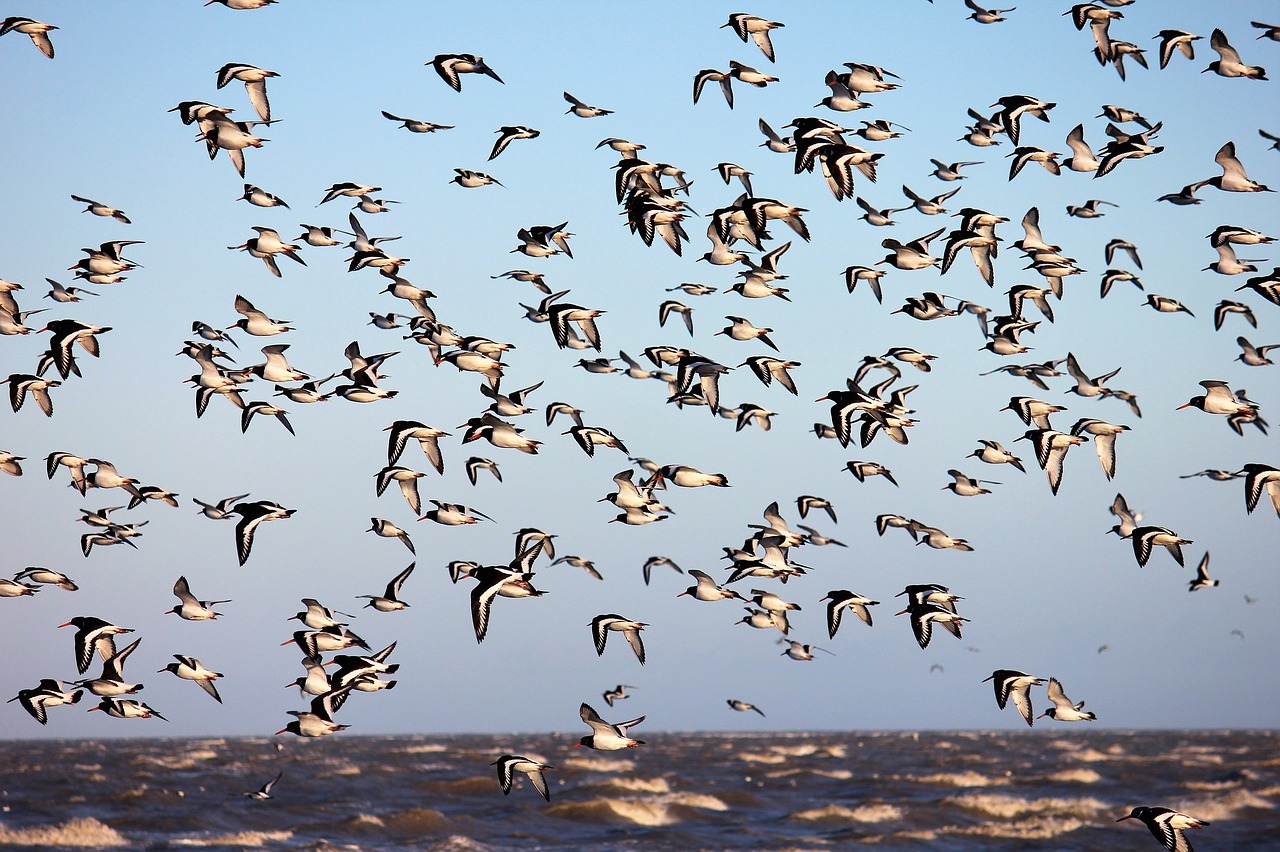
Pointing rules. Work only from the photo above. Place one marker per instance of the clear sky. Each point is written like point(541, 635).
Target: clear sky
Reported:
point(1044, 587)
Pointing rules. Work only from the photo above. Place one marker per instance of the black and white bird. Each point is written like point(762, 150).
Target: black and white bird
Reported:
point(1064, 709)
point(509, 764)
point(606, 736)
point(1166, 825)
point(264, 792)
point(602, 624)
point(1017, 685)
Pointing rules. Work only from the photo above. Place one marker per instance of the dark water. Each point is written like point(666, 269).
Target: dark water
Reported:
point(946, 791)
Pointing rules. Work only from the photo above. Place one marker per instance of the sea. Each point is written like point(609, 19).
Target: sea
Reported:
point(953, 791)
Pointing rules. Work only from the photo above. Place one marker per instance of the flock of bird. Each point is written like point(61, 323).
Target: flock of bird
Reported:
point(653, 195)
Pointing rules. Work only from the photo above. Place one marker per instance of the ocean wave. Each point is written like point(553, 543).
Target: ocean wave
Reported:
point(244, 839)
point(863, 813)
point(968, 778)
point(638, 785)
point(85, 831)
point(414, 822)
point(1077, 776)
point(471, 785)
point(600, 764)
point(1224, 806)
point(1034, 828)
point(649, 811)
point(1009, 807)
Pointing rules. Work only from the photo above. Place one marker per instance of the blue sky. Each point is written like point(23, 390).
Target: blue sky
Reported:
point(1044, 588)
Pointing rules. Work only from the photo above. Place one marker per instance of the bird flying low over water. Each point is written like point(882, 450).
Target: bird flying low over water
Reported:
point(509, 764)
point(1166, 826)
point(606, 736)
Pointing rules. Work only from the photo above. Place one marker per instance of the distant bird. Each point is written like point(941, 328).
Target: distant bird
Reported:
point(606, 736)
point(1202, 579)
point(658, 561)
point(264, 792)
point(1089, 210)
point(1166, 826)
point(618, 693)
point(1063, 709)
point(414, 125)
point(1017, 685)
point(509, 764)
point(742, 706)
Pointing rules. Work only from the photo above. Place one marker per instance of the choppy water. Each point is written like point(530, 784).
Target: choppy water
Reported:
point(953, 791)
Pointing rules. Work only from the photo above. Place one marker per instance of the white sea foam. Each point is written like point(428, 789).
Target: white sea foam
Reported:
point(864, 813)
point(77, 832)
point(1011, 807)
point(242, 839)
point(600, 764)
point(1077, 776)
point(968, 778)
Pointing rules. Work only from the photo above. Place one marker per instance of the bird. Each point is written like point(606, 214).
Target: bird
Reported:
point(1176, 40)
point(190, 608)
point(1017, 685)
point(97, 208)
point(93, 635)
point(1259, 478)
point(251, 515)
point(37, 30)
point(1144, 538)
point(389, 600)
point(509, 764)
point(189, 668)
point(1202, 579)
point(1166, 825)
point(255, 84)
point(583, 110)
point(1064, 709)
point(450, 65)
point(842, 599)
point(743, 706)
point(602, 624)
point(706, 589)
point(606, 736)
point(1229, 63)
point(755, 28)
point(264, 792)
point(924, 615)
point(1233, 177)
point(1218, 398)
point(126, 708)
point(657, 561)
point(414, 125)
point(386, 529)
point(48, 693)
point(618, 693)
